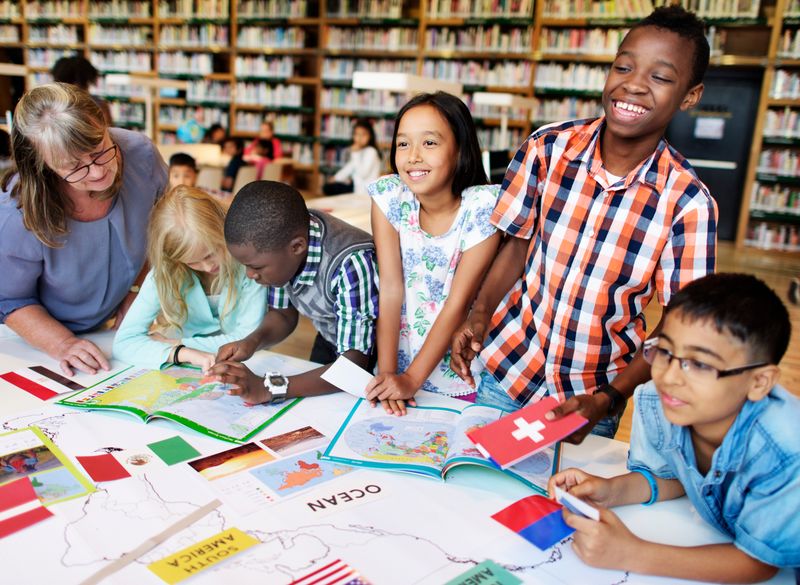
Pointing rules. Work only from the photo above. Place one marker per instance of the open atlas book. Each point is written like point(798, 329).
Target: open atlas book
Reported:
point(182, 395)
point(429, 440)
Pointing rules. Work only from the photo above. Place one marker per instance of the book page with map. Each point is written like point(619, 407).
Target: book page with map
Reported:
point(428, 440)
point(182, 395)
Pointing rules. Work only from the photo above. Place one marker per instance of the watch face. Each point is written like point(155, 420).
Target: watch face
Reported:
point(277, 380)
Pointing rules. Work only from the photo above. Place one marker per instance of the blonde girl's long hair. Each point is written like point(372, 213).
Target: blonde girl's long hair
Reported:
point(61, 122)
point(182, 221)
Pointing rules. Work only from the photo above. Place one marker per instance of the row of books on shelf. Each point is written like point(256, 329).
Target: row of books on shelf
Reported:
point(768, 236)
point(574, 76)
point(9, 9)
point(177, 115)
point(789, 44)
point(480, 73)
point(634, 9)
point(287, 124)
point(343, 98)
point(783, 123)
point(369, 38)
point(263, 66)
point(367, 8)
point(259, 37)
point(137, 36)
point(480, 8)
point(568, 108)
point(185, 63)
point(9, 33)
point(266, 95)
point(492, 139)
point(343, 69)
point(205, 35)
point(595, 41)
point(775, 199)
point(490, 39)
point(59, 34)
point(192, 8)
point(272, 9)
point(785, 84)
point(779, 161)
point(337, 127)
point(53, 8)
point(126, 113)
point(119, 9)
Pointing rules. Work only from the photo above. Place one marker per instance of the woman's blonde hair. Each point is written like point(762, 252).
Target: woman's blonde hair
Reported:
point(63, 123)
point(182, 221)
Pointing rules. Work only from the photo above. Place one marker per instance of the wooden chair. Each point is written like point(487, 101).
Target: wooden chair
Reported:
point(246, 174)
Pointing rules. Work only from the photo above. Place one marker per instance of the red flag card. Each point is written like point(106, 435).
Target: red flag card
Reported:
point(103, 467)
point(19, 507)
point(536, 519)
point(31, 387)
point(518, 435)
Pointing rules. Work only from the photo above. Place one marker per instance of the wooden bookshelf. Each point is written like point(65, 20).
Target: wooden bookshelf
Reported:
point(292, 61)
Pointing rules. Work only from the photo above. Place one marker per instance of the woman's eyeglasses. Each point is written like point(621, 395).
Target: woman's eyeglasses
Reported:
point(659, 357)
point(101, 159)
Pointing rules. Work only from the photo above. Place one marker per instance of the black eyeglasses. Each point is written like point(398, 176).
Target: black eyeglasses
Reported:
point(101, 159)
point(661, 358)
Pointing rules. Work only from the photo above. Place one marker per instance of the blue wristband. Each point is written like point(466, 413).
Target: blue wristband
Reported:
point(653, 485)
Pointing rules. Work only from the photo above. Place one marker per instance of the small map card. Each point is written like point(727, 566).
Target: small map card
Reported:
point(29, 453)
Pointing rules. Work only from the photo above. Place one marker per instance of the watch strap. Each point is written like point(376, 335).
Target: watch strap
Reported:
point(617, 400)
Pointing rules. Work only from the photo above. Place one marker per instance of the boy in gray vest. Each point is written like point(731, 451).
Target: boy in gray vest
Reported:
point(313, 264)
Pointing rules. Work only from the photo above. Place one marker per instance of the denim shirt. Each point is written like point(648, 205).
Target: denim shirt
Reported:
point(752, 490)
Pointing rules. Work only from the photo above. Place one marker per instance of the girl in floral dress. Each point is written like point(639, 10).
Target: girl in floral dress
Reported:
point(434, 243)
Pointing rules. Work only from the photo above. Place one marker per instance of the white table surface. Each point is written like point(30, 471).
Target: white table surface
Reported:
point(468, 490)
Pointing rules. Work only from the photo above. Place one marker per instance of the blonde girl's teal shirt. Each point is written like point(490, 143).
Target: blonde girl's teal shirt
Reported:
point(202, 329)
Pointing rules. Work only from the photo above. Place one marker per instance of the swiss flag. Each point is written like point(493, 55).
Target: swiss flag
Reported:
point(520, 434)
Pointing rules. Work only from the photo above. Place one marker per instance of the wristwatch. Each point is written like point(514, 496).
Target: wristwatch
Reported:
point(616, 402)
point(278, 386)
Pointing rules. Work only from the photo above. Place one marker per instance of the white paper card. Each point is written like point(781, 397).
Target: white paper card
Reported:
point(576, 505)
point(347, 376)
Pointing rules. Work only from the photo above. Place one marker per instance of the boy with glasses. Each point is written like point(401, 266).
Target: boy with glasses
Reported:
point(712, 425)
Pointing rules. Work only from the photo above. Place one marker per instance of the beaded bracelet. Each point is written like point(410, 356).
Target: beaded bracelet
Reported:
point(653, 485)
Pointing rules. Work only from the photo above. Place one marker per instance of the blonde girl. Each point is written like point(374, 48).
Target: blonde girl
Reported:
point(196, 297)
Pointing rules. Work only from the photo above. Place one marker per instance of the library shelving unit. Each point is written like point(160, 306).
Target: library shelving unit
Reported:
point(292, 61)
point(770, 215)
point(486, 47)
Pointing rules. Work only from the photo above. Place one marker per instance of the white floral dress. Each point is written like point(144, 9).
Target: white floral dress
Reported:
point(429, 265)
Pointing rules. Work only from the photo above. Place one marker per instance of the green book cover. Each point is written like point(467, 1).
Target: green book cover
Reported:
point(182, 395)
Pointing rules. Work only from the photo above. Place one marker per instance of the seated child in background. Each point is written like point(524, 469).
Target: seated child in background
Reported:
point(712, 424)
point(314, 265)
point(364, 164)
point(195, 297)
point(182, 170)
point(434, 242)
point(233, 148)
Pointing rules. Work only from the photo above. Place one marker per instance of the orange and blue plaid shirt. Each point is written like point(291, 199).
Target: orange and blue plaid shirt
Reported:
point(597, 255)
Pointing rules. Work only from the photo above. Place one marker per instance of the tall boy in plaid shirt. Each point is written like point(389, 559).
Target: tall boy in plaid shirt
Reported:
point(602, 214)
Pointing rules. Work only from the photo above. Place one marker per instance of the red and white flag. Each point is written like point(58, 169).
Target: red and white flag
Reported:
point(19, 507)
point(523, 433)
point(336, 573)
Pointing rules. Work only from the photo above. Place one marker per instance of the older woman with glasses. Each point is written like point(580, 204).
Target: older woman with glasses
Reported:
point(73, 218)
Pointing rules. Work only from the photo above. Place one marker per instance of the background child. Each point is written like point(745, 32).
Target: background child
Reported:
point(434, 241)
point(196, 297)
point(604, 215)
point(364, 165)
point(315, 265)
point(265, 132)
point(182, 170)
point(714, 425)
point(233, 148)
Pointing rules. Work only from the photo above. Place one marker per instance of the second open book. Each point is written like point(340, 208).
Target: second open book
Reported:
point(429, 440)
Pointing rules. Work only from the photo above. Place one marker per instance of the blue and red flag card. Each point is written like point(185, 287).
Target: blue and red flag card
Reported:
point(19, 506)
point(536, 519)
point(523, 433)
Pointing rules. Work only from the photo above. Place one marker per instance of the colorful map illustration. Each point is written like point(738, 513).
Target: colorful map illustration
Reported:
point(394, 440)
point(288, 476)
point(181, 394)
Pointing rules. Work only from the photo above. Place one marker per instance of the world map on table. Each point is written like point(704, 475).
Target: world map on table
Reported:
point(288, 476)
point(86, 534)
point(398, 440)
